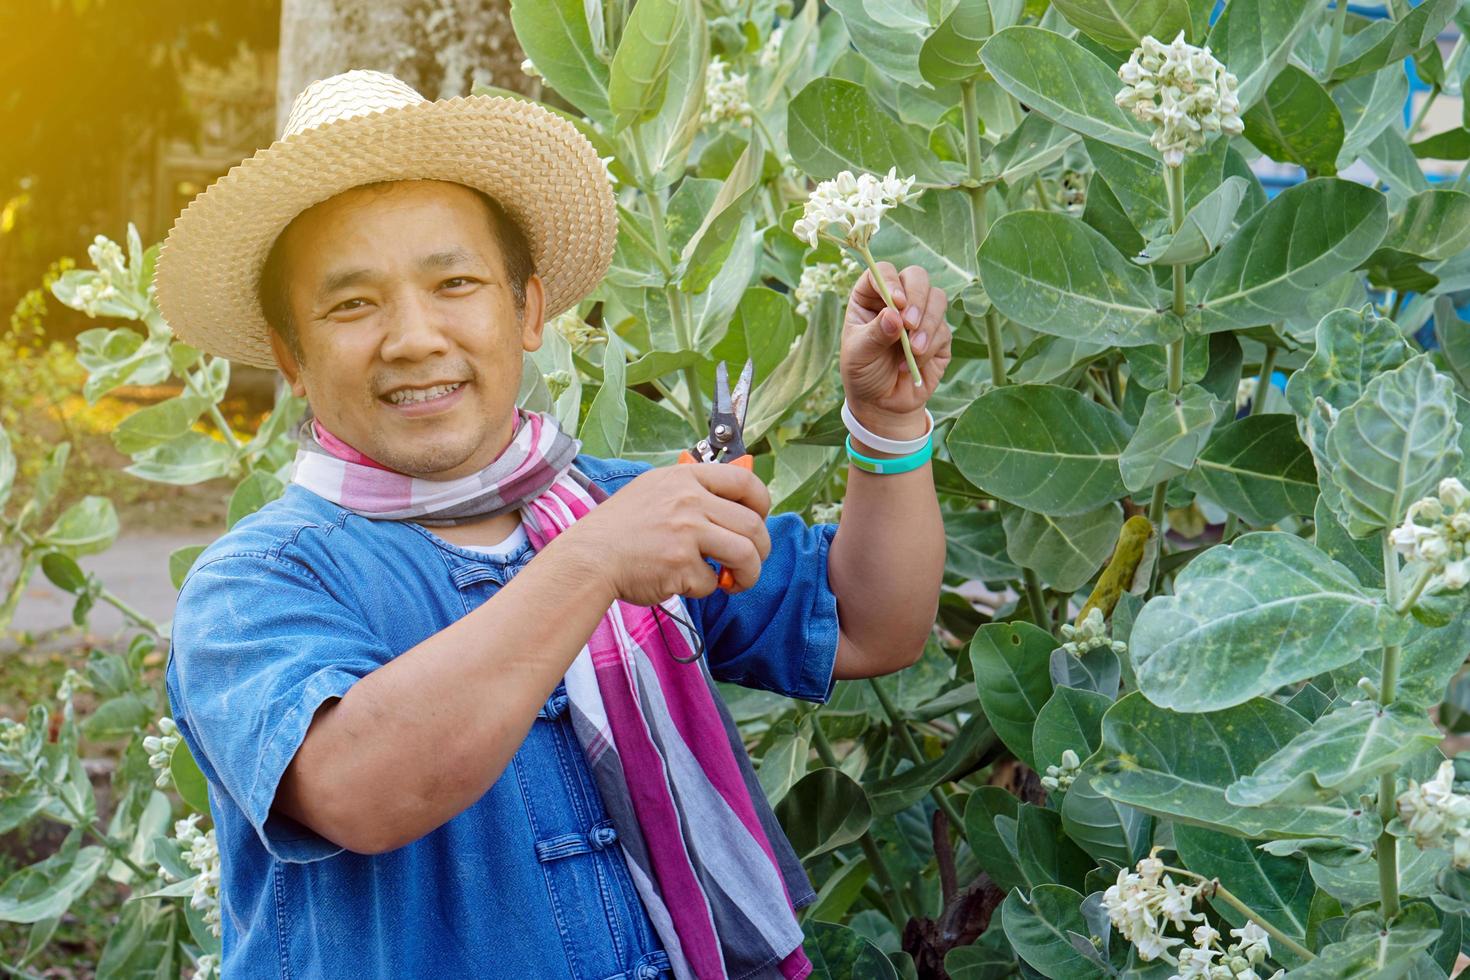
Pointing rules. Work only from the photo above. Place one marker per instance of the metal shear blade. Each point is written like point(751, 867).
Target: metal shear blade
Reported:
point(727, 420)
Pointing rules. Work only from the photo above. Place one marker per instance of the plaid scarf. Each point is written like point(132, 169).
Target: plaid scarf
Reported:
point(704, 849)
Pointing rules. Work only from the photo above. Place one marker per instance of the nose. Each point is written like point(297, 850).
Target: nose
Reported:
point(416, 331)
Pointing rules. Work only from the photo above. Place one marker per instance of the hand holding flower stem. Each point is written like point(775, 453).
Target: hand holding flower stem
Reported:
point(855, 206)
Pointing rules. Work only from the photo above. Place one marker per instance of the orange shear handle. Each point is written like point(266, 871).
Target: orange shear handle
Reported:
point(746, 462)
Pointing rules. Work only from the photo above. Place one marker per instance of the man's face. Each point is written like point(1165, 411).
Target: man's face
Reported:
point(400, 288)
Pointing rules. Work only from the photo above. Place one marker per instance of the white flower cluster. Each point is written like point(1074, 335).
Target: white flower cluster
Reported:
point(160, 749)
point(854, 205)
point(1184, 91)
point(1437, 816)
point(824, 277)
point(1238, 961)
point(1442, 541)
point(207, 968)
point(1245, 390)
point(1141, 904)
point(71, 682)
point(827, 513)
point(202, 854)
point(557, 382)
point(529, 68)
point(1092, 633)
point(578, 332)
point(112, 266)
point(606, 162)
point(771, 50)
point(1059, 779)
point(12, 736)
point(726, 94)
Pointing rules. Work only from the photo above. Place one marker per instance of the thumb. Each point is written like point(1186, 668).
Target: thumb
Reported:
point(880, 333)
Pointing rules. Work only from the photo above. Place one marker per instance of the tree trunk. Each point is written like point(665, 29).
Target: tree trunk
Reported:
point(441, 47)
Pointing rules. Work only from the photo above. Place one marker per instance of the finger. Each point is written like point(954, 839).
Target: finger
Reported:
point(743, 521)
point(733, 483)
point(878, 334)
point(928, 326)
point(914, 284)
point(732, 551)
point(889, 272)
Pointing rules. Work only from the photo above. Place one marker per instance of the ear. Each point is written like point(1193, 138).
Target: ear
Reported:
point(533, 318)
point(286, 361)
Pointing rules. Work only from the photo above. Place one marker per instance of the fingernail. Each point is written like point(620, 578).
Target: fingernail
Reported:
point(920, 339)
point(890, 324)
point(912, 315)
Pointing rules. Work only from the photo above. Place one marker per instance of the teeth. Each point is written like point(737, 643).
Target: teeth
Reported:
point(406, 395)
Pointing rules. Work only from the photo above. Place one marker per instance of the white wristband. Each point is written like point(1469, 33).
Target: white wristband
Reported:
point(878, 442)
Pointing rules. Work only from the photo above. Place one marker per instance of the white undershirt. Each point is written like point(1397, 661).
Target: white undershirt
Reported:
point(503, 548)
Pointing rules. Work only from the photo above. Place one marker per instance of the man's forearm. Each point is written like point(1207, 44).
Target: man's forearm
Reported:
point(886, 562)
point(420, 739)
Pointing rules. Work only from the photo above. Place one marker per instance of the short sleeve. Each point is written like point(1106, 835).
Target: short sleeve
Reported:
point(780, 635)
point(258, 646)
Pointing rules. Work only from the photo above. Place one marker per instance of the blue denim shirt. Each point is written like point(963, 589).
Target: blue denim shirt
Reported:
point(300, 600)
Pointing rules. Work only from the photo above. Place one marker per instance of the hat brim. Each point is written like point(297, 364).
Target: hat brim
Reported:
point(541, 170)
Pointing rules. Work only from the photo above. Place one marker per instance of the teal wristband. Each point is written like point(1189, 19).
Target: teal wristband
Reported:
point(898, 464)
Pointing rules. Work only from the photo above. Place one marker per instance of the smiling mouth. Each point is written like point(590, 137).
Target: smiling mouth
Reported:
point(417, 396)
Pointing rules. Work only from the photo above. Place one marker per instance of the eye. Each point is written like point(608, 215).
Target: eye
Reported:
point(456, 282)
point(343, 306)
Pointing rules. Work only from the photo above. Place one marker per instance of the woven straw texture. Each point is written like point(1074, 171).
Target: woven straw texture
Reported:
point(363, 127)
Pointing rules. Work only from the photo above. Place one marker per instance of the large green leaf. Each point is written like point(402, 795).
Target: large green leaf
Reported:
point(1356, 882)
point(1047, 856)
point(1039, 928)
point(975, 546)
point(1257, 468)
point(823, 810)
point(1255, 37)
point(1065, 551)
point(839, 953)
point(1065, 82)
point(157, 424)
point(1376, 47)
point(1203, 229)
point(607, 418)
point(963, 755)
point(1297, 122)
point(1179, 766)
point(1392, 445)
point(798, 374)
point(47, 889)
point(1106, 829)
point(1053, 273)
point(935, 232)
point(1042, 447)
point(1012, 674)
point(1123, 24)
point(1340, 752)
point(710, 244)
point(1433, 225)
point(1266, 610)
point(1368, 105)
point(554, 33)
point(1170, 434)
point(253, 493)
point(952, 52)
point(1368, 949)
point(835, 125)
point(888, 33)
point(192, 458)
point(143, 944)
point(639, 76)
point(85, 528)
point(1139, 182)
point(1290, 248)
point(1032, 146)
point(1070, 719)
point(1352, 348)
point(991, 852)
point(1278, 888)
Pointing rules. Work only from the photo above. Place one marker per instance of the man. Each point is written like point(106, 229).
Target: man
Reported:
point(439, 687)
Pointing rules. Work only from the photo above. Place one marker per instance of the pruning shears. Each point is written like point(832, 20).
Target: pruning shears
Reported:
point(726, 440)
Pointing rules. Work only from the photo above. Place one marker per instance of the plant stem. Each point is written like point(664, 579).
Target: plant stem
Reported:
point(1175, 349)
point(1272, 931)
point(1423, 111)
point(876, 863)
point(16, 971)
point(191, 382)
point(903, 334)
point(672, 295)
point(1100, 390)
point(114, 847)
point(1176, 214)
point(1339, 28)
point(906, 739)
point(973, 161)
point(1387, 846)
point(683, 409)
point(1036, 600)
point(994, 347)
point(1415, 591)
point(1263, 380)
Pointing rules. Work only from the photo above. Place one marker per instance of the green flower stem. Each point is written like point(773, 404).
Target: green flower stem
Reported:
point(1175, 349)
point(678, 403)
point(1097, 388)
point(1387, 846)
point(1434, 91)
point(1339, 28)
point(1415, 591)
point(876, 863)
point(116, 848)
point(903, 334)
point(1215, 889)
point(1039, 612)
point(994, 345)
point(191, 381)
point(16, 971)
point(995, 348)
point(677, 310)
point(906, 738)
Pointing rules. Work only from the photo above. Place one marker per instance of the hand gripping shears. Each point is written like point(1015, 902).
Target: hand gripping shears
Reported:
point(726, 440)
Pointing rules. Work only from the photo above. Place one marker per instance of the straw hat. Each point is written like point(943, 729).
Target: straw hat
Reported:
point(365, 126)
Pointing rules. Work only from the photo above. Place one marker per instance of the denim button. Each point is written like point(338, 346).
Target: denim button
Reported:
point(603, 836)
point(554, 708)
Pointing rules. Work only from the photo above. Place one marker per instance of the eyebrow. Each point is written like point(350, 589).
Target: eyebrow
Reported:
point(343, 278)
